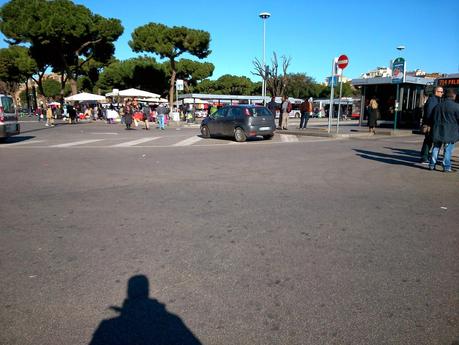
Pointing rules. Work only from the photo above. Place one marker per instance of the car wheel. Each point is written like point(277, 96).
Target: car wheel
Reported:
point(268, 137)
point(239, 135)
point(205, 132)
point(297, 115)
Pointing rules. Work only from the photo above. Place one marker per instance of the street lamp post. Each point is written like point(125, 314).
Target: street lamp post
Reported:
point(264, 16)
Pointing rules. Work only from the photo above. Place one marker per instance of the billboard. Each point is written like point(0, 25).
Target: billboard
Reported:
point(398, 70)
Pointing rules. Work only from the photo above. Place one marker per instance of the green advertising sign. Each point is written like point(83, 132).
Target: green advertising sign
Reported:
point(398, 70)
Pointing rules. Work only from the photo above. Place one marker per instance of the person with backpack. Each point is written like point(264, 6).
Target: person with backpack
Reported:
point(286, 108)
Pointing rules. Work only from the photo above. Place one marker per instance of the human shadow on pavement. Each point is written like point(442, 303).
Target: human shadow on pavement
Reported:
point(406, 152)
point(16, 139)
point(396, 159)
point(142, 321)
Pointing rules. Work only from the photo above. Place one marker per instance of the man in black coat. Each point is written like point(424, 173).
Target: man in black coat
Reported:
point(431, 103)
point(445, 130)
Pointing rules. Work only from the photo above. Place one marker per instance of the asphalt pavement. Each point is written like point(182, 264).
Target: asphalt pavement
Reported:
point(162, 237)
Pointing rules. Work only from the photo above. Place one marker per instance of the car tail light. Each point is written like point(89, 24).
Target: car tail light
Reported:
point(2, 118)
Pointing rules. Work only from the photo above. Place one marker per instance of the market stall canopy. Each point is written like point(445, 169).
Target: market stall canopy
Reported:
point(84, 96)
point(194, 100)
point(155, 100)
point(134, 93)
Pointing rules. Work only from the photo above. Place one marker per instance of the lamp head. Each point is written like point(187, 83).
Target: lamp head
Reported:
point(264, 15)
point(401, 47)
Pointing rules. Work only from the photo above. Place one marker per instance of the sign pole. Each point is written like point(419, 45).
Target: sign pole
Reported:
point(330, 110)
point(339, 102)
point(397, 104)
point(342, 63)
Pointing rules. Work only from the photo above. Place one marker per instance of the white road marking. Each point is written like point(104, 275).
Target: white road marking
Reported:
point(25, 142)
point(288, 138)
point(188, 142)
point(76, 143)
point(135, 142)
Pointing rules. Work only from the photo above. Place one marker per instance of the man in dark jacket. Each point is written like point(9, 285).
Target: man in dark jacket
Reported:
point(445, 130)
point(431, 103)
point(273, 106)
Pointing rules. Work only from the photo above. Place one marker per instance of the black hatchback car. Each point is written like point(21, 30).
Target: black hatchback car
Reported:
point(239, 122)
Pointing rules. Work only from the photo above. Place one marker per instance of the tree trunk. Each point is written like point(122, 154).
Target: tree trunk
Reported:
point(172, 84)
point(27, 95)
point(40, 84)
point(74, 86)
point(62, 85)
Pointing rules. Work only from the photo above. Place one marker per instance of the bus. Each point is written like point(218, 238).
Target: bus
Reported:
point(350, 108)
point(450, 81)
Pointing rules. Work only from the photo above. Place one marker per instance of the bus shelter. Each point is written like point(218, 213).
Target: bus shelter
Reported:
point(410, 102)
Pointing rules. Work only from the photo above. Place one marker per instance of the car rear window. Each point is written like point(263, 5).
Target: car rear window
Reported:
point(257, 111)
point(7, 104)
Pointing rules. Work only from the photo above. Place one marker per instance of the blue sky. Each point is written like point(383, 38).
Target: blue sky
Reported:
point(310, 32)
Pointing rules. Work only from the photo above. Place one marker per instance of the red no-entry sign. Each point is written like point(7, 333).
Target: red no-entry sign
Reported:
point(343, 61)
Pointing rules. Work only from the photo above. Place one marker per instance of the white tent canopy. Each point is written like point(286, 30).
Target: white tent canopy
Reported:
point(134, 93)
point(155, 100)
point(84, 96)
point(194, 100)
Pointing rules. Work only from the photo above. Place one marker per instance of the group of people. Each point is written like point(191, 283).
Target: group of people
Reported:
point(306, 109)
point(131, 107)
point(440, 124)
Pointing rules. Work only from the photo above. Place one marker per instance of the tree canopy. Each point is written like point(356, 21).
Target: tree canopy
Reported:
point(60, 34)
point(16, 66)
point(141, 72)
point(228, 85)
point(170, 43)
point(193, 71)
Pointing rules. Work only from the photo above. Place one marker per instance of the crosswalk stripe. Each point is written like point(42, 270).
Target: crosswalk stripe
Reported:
point(135, 142)
point(75, 143)
point(188, 142)
point(287, 138)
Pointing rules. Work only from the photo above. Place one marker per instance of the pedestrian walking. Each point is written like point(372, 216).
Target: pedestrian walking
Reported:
point(49, 117)
point(373, 115)
point(426, 127)
point(128, 113)
point(286, 108)
point(445, 130)
point(146, 116)
point(72, 113)
point(162, 112)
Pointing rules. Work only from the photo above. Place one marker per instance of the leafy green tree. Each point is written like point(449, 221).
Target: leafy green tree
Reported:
point(300, 85)
point(61, 34)
point(348, 91)
point(193, 71)
point(16, 66)
point(170, 43)
point(228, 85)
point(51, 88)
point(141, 72)
point(205, 86)
point(234, 85)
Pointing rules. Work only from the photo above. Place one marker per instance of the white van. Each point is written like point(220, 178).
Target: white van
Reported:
point(9, 124)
